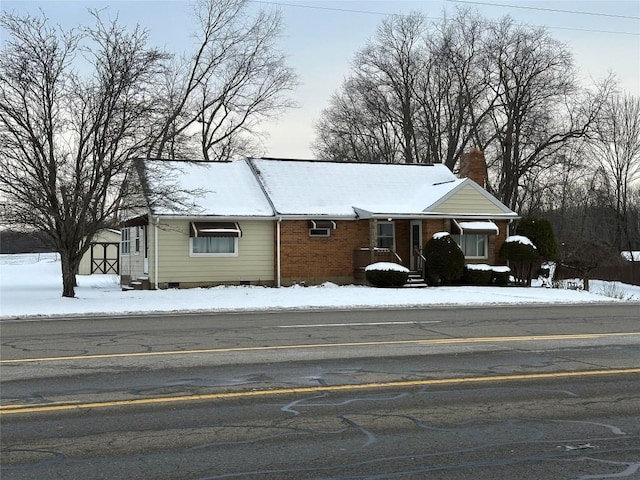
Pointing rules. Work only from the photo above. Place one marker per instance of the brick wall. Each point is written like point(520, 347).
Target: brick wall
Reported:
point(430, 227)
point(495, 243)
point(314, 260)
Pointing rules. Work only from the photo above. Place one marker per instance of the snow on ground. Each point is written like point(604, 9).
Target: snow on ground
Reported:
point(31, 285)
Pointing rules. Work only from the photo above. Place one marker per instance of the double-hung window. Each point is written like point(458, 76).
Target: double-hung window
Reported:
point(125, 241)
point(386, 235)
point(214, 239)
point(136, 240)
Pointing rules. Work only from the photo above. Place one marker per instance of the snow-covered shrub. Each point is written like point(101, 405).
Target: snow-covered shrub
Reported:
point(445, 260)
point(477, 274)
point(386, 274)
point(500, 276)
point(523, 258)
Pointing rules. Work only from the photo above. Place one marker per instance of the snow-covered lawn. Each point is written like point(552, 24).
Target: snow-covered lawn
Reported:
point(31, 284)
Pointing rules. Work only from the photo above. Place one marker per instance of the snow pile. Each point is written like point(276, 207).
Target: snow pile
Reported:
point(31, 284)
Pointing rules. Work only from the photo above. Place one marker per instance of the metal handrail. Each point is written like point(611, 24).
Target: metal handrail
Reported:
point(422, 259)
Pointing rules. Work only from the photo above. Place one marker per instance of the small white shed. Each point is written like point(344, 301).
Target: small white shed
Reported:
point(103, 255)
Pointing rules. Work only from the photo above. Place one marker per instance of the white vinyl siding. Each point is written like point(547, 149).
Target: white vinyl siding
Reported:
point(254, 261)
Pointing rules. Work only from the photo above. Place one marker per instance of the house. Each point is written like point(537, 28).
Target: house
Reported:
point(280, 222)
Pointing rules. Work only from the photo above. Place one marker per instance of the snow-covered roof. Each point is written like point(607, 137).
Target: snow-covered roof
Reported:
point(256, 187)
point(205, 189)
point(350, 189)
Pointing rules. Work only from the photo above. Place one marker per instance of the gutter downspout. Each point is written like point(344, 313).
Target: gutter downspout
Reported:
point(155, 251)
point(278, 268)
point(278, 218)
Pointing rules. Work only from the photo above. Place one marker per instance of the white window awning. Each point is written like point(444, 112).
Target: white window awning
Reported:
point(322, 224)
point(215, 229)
point(486, 227)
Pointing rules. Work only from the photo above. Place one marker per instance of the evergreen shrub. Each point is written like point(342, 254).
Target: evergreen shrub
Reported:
point(444, 260)
point(474, 276)
point(500, 279)
point(540, 232)
point(386, 277)
point(523, 258)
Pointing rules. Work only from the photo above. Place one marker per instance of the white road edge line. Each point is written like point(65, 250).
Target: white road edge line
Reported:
point(354, 324)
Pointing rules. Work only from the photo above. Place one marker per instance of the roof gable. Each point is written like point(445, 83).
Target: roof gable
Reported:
point(469, 198)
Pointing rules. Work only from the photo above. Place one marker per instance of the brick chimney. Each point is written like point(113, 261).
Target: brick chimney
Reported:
point(473, 166)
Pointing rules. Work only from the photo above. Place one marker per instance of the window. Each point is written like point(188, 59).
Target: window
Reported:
point(214, 246)
point(214, 239)
point(136, 239)
point(473, 245)
point(126, 241)
point(386, 235)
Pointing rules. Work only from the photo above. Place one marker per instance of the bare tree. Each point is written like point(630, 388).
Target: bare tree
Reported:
point(616, 154)
point(538, 106)
point(357, 128)
point(450, 87)
point(378, 98)
point(215, 97)
point(66, 136)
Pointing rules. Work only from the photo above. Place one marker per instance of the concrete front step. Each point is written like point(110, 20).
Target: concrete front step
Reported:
point(415, 281)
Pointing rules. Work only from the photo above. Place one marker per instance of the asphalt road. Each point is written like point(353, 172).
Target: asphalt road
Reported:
point(510, 392)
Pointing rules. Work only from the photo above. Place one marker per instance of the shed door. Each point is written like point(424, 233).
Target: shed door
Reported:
point(105, 257)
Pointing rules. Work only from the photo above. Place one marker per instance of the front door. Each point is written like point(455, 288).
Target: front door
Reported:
point(416, 244)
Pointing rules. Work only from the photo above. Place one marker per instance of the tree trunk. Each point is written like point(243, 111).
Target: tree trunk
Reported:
point(69, 269)
point(585, 282)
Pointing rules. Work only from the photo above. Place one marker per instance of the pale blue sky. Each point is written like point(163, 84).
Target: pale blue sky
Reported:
point(321, 36)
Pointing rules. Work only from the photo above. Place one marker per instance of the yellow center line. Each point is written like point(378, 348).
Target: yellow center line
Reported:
point(435, 341)
point(26, 408)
